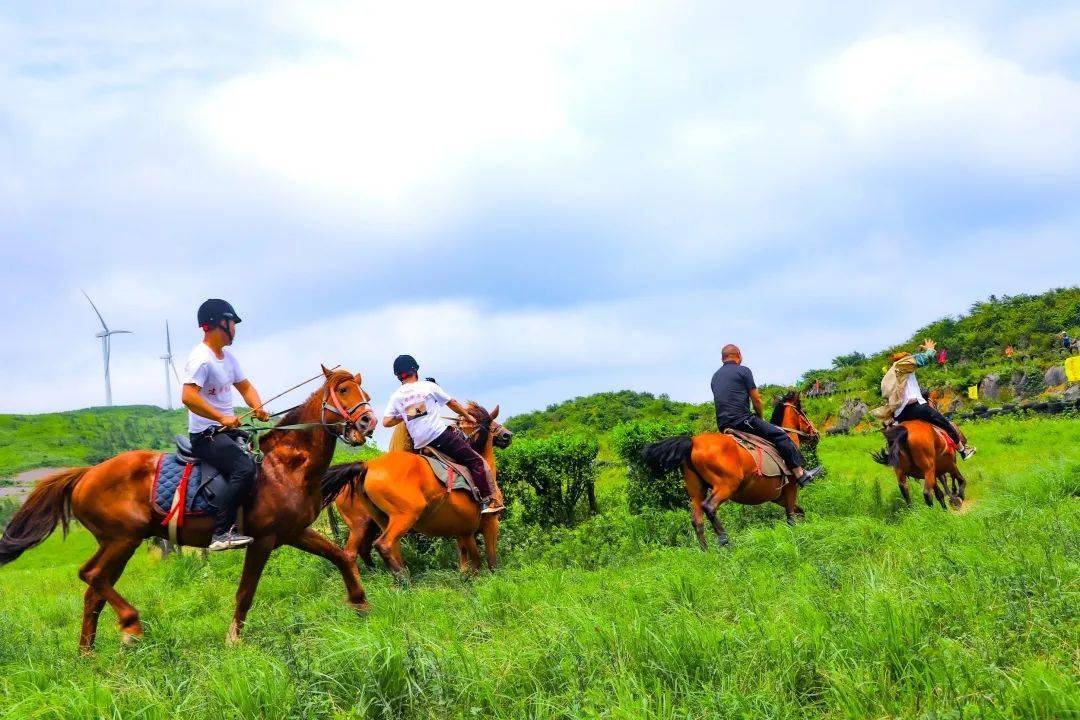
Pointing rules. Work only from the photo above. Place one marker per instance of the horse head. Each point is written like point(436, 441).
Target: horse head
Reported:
point(788, 414)
point(485, 427)
point(345, 397)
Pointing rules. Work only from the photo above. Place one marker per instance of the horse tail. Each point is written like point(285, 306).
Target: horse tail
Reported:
point(664, 456)
point(896, 439)
point(48, 504)
point(338, 477)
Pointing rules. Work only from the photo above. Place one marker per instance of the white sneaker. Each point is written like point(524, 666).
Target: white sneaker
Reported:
point(229, 540)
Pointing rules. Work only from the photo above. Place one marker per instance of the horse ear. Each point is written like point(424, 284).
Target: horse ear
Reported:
point(359, 380)
point(325, 371)
point(495, 412)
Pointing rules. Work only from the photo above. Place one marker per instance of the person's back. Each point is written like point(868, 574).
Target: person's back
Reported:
point(734, 390)
point(731, 386)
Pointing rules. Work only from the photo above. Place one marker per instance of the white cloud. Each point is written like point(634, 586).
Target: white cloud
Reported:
point(937, 96)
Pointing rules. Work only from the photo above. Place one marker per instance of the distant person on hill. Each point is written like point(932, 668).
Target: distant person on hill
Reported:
point(904, 398)
point(1010, 351)
point(733, 391)
point(210, 374)
point(416, 404)
point(1066, 341)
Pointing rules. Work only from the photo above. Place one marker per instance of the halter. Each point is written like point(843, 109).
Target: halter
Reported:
point(350, 416)
point(801, 414)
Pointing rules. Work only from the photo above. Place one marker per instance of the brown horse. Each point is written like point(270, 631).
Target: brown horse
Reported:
point(717, 469)
point(112, 500)
point(398, 492)
point(917, 449)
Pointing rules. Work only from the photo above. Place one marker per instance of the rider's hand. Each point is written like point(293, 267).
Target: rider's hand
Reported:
point(468, 418)
point(929, 344)
point(229, 421)
point(262, 415)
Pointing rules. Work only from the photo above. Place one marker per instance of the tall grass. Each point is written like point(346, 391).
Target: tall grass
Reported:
point(866, 610)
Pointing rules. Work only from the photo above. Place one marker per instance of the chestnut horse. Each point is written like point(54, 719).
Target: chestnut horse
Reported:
point(917, 449)
point(398, 492)
point(112, 500)
point(717, 469)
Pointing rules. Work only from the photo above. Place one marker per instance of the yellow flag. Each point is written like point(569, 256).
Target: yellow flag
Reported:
point(1072, 368)
point(884, 369)
point(973, 392)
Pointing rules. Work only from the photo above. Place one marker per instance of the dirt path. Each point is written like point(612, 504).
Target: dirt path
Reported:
point(24, 482)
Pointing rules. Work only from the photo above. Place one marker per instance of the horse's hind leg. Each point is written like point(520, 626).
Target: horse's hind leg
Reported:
point(314, 543)
point(473, 553)
point(697, 514)
point(389, 543)
point(361, 538)
point(902, 483)
point(101, 572)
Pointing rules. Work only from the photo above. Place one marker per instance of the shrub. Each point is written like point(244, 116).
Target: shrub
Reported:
point(7, 508)
point(546, 480)
point(642, 490)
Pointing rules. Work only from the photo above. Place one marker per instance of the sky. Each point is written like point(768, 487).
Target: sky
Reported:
point(537, 200)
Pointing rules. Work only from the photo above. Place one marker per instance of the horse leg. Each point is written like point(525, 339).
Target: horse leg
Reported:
point(100, 573)
point(930, 486)
point(314, 543)
point(367, 540)
point(463, 556)
point(92, 606)
point(787, 500)
point(939, 492)
point(490, 532)
point(389, 543)
point(473, 552)
point(961, 486)
point(697, 497)
point(902, 482)
point(255, 558)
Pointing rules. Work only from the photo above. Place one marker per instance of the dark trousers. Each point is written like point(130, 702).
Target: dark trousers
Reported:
point(756, 426)
point(224, 452)
point(453, 444)
point(915, 411)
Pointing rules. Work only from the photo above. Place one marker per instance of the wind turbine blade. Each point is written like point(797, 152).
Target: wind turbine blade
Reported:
point(95, 310)
point(121, 332)
point(168, 341)
point(175, 374)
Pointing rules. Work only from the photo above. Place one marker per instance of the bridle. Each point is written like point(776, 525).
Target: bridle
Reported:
point(801, 414)
point(349, 416)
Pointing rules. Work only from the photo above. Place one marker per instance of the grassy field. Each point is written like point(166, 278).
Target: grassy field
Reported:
point(866, 610)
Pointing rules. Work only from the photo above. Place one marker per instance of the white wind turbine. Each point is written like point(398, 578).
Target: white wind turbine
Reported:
point(168, 358)
point(106, 343)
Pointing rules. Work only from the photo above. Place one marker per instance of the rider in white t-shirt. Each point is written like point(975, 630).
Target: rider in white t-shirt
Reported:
point(418, 403)
point(210, 374)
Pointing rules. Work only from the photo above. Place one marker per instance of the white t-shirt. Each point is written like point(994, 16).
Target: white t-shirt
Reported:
point(912, 394)
point(215, 378)
point(420, 404)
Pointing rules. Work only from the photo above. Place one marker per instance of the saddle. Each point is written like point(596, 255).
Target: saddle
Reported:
point(766, 458)
point(184, 485)
point(452, 475)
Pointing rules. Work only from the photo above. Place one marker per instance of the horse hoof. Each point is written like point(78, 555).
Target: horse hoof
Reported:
point(723, 541)
point(361, 608)
point(129, 638)
point(232, 638)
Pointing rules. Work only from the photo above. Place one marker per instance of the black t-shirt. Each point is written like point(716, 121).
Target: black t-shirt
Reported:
point(731, 386)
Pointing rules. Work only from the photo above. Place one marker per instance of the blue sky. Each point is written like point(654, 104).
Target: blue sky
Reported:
point(538, 200)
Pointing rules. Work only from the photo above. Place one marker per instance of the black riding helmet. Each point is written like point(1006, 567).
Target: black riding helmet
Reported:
point(214, 311)
point(405, 365)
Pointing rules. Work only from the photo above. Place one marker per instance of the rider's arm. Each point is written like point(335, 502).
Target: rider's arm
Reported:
point(460, 410)
point(251, 397)
point(391, 420)
point(755, 399)
point(197, 404)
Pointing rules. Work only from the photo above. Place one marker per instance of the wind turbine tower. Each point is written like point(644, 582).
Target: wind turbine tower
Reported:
point(168, 358)
point(106, 344)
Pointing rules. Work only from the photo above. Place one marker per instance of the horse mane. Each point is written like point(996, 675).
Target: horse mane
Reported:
point(483, 426)
point(789, 397)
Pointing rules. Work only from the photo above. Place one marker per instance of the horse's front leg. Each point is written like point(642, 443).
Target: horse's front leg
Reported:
point(787, 501)
point(255, 557)
point(490, 531)
point(314, 543)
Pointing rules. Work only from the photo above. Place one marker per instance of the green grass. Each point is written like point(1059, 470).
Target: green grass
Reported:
point(866, 610)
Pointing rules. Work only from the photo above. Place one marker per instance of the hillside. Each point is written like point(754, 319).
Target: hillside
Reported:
point(974, 341)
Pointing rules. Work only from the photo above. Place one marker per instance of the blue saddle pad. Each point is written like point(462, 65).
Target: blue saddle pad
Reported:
point(170, 470)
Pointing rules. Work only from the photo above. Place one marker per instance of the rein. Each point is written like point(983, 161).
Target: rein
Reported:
point(800, 433)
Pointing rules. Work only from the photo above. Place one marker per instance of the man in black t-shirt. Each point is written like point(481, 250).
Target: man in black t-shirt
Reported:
point(734, 390)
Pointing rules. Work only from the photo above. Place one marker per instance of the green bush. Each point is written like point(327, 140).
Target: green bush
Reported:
point(642, 490)
point(7, 508)
point(547, 481)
